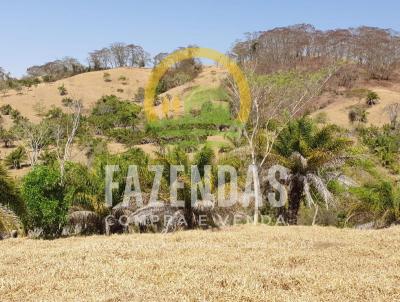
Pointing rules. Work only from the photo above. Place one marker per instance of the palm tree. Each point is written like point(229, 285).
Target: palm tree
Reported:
point(16, 157)
point(176, 156)
point(9, 222)
point(11, 204)
point(372, 98)
point(305, 150)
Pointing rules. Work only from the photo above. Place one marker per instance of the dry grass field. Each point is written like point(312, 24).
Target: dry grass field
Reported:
point(89, 87)
point(338, 111)
point(242, 263)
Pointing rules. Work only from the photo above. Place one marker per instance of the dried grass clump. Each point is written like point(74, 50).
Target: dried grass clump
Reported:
point(242, 263)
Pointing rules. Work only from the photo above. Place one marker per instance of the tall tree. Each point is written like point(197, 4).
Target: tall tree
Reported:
point(278, 97)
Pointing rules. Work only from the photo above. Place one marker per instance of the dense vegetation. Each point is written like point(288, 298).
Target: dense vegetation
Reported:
point(334, 176)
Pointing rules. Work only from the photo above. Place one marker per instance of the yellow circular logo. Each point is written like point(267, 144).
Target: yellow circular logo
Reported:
point(190, 53)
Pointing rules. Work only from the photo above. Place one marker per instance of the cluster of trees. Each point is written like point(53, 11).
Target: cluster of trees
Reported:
point(58, 69)
point(118, 55)
point(115, 118)
point(53, 200)
point(374, 49)
point(58, 194)
point(180, 73)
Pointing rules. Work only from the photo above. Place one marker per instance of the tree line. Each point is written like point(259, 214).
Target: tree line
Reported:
point(374, 49)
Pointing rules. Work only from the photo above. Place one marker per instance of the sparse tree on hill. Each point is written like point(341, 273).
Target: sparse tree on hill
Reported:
point(120, 54)
point(159, 57)
point(65, 134)
point(16, 157)
point(7, 136)
point(137, 56)
point(36, 138)
point(372, 98)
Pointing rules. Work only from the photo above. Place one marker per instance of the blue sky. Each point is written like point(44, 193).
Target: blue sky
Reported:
point(35, 32)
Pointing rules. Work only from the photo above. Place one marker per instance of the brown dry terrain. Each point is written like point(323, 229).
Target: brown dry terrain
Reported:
point(337, 112)
point(89, 87)
point(242, 263)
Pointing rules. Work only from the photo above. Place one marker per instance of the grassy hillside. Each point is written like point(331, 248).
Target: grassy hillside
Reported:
point(35, 101)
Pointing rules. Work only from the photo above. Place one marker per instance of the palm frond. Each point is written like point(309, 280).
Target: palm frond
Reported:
point(318, 158)
point(307, 193)
point(298, 162)
point(83, 217)
point(321, 188)
point(9, 221)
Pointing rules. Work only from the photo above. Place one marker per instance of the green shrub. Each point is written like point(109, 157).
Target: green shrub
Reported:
point(379, 198)
point(372, 98)
point(30, 81)
point(125, 136)
point(15, 114)
point(180, 74)
point(62, 90)
point(139, 95)
point(358, 114)
point(204, 157)
point(107, 77)
point(132, 157)
point(384, 143)
point(44, 197)
point(9, 193)
point(6, 109)
point(48, 78)
point(7, 137)
point(67, 102)
point(16, 158)
point(111, 112)
point(48, 157)
point(188, 146)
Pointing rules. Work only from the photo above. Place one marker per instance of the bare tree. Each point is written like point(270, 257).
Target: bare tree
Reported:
point(3, 87)
point(137, 56)
point(36, 137)
point(159, 57)
point(57, 69)
point(120, 54)
point(376, 50)
point(94, 60)
point(271, 101)
point(65, 134)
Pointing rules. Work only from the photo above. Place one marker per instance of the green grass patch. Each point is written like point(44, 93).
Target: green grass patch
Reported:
point(198, 96)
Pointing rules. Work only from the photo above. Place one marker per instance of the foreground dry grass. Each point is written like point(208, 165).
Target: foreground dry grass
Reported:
point(245, 263)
